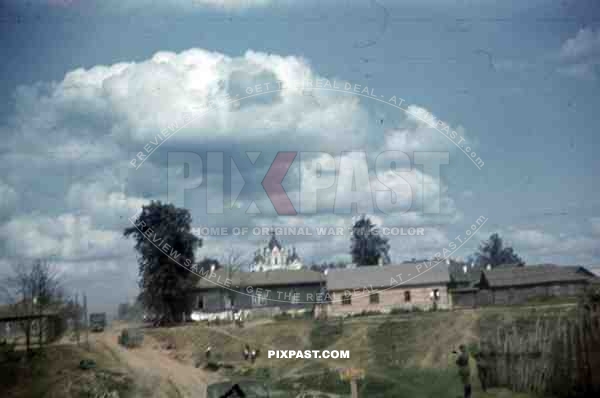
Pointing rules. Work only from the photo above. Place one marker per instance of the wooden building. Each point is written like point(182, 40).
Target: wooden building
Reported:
point(506, 285)
point(383, 288)
point(268, 292)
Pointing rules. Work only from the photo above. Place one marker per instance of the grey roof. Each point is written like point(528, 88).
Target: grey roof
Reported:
point(267, 278)
point(533, 275)
point(594, 269)
point(406, 274)
point(10, 313)
point(461, 278)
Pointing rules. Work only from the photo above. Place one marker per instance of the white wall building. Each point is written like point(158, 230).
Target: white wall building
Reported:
point(274, 256)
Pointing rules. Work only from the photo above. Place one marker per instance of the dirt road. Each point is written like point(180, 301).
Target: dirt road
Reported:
point(154, 369)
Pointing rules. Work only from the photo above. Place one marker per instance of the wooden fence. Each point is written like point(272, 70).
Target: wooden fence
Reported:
point(549, 354)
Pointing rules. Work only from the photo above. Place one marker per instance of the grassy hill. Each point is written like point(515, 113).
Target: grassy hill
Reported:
point(402, 355)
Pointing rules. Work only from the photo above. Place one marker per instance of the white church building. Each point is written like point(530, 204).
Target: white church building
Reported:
point(273, 256)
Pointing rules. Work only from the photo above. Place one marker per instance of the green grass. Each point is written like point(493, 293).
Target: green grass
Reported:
point(325, 380)
point(324, 333)
point(54, 372)
point(410, 382)
point(403, 355)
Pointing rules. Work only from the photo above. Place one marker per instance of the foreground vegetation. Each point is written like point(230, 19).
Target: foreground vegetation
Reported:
point(402, 354)
point(56, 372)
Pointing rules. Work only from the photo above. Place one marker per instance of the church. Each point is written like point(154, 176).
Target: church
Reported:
point(275, 257)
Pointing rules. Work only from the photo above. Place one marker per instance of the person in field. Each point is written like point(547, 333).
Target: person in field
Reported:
point(482, 367)
point(462, 361)
point(246, 352)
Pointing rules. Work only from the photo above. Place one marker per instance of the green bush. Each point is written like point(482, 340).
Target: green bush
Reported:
point(324, 333)
point(395, 311)
point(326, 380)
point(7, 352)
point(284, 316)
point(131, 338)
point(420, 383)
point(366, 313)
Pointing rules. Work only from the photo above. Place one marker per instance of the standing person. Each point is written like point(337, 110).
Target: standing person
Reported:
point(207, 353)
point(482, 368)
point(246, 352)
point(463, 370)
point(253, 356)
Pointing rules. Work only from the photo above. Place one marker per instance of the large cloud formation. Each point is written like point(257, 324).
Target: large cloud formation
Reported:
point(68, 186)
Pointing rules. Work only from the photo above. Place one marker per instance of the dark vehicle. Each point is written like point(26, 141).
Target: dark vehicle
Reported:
point(249, 389)
point(97, 322)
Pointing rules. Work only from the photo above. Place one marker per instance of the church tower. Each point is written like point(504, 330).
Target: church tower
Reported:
point(274, 256)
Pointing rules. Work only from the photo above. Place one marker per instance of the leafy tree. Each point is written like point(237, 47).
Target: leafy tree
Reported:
point(315, 267)
point(494, 252)
point(164, 282)
point(130, 311)
point(206, 264)
point(367, 245)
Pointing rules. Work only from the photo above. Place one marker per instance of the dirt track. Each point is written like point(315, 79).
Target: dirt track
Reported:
point(153, 369)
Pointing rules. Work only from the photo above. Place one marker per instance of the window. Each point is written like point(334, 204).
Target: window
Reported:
point(407, 296)
point(228, 302)
point(374, 298)
point(346, 299)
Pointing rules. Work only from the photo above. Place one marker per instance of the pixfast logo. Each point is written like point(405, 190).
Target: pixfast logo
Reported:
point(390, 184)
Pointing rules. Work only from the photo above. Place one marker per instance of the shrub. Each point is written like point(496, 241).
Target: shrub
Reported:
point(284, 316)
point(395, 311)
point(326, 380)
point(324, 333)
point(131, 338)
point(410, 383)
point(212, 366)
point(367, 313)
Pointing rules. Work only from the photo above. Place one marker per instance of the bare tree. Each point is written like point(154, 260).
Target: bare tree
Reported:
point(31, 290)
point(234, 259)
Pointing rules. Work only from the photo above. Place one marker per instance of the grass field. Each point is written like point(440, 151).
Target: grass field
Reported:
point(403, 355)
point(55, 372)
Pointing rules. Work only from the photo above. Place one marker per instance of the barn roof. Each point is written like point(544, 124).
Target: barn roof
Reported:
point(10, 313)
point(594, 269)
point(267, 278)
point(405, 274)
point(533, 275)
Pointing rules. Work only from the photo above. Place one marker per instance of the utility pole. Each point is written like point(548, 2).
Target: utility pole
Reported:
point(352, 375)
point(353, 388)
point(86, 325)
point(77, 317)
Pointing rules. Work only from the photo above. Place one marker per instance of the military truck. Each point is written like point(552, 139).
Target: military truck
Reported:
point(97, 322)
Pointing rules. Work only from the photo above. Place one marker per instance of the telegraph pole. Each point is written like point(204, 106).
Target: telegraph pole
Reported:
point(77, 317)
point(87, 326)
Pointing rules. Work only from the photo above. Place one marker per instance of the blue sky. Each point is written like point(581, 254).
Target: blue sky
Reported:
point(520, 80)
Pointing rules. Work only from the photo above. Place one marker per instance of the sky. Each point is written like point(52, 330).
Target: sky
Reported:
point(86, 85)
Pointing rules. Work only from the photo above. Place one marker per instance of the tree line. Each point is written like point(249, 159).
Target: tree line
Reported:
point(164, 283)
